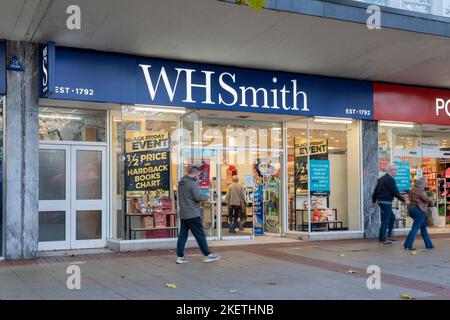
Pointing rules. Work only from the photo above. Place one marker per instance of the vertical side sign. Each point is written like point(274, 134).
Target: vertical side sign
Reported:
point(47, 69)
point(2, 67)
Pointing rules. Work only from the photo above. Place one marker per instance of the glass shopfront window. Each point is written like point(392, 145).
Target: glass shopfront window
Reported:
point(68, 124)
point(153, 147)
point(418, 151)
point(144, 164)
point(324, 175)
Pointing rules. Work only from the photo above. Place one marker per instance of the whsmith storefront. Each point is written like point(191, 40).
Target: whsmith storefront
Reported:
point(116, 132)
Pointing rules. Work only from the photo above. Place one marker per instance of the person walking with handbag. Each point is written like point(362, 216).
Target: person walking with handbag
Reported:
point(189, 199)
point(235, 199)
point(384, 193)
point(418, 209)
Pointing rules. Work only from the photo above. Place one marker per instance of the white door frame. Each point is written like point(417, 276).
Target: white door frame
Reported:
point(58, 205)
point(70, 205)
point(100, 204)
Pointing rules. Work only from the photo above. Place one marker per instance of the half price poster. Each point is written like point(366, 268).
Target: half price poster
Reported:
point(147, 161)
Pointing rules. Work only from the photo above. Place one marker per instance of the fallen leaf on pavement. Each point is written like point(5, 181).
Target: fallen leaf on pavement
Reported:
point(171, 285)
point(350, 271)
point(270, 283)
point(407, 296)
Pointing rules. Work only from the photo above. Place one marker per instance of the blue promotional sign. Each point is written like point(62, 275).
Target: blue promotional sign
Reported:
point(258, 217)
point(2, 67)
point(319, 175)
point(47, 69)
point(115, 78)
point(402, 178)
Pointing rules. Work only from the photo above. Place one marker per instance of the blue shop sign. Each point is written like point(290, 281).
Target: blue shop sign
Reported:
point(115, 78)
point(47, 69)
point(2, 67)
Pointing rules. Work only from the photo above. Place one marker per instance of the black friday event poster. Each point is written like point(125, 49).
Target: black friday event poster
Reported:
point(147, 161)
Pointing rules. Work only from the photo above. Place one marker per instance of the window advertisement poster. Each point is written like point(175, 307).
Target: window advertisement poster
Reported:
point(258, 197)
point(319, 176)
point(147, 161)
point(318, 150)
point(147, 180)
point(258, 215)
point(402, 178)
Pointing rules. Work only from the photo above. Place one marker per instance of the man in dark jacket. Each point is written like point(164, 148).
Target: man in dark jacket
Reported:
point(384, 194)
point(189, 198)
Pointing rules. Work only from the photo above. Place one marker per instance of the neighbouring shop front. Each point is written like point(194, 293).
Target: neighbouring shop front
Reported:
point(414, 133)
point(117, 132)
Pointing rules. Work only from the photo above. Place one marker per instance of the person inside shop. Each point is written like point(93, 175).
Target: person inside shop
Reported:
point(189, 199)
point(384, 194)
point(418, 208)
point(235, 200)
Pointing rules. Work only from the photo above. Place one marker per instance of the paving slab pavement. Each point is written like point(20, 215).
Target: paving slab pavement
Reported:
point(269, 271)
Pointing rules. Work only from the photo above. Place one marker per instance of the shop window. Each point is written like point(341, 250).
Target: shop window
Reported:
point(67, 124)
point(324, 176)
point(145, 173)
point(418, 151)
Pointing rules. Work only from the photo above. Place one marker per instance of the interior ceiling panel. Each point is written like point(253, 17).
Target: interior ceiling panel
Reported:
point(212, 31)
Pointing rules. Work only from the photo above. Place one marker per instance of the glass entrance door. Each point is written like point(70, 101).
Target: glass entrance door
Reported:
point(260, 178)
point(208, 159)
point(242, 155)
point(72, 197)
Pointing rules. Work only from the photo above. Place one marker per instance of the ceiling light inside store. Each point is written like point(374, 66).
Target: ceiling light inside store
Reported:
point(333, 120)
point(59, 117)
point(147, 108)
point(396, 124)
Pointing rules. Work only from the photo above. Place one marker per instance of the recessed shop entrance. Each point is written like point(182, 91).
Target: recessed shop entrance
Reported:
point(72, 196)
point(232, 151)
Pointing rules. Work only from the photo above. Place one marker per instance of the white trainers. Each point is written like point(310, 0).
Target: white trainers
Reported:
point(181, 260)
point(212, 257)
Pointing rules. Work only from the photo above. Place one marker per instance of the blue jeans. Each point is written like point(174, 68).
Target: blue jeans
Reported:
point(196, 227)
point(419, 223)
point(387, 218)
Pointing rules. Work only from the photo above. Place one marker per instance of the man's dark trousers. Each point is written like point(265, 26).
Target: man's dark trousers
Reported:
point(196, 227)
point(387, 220)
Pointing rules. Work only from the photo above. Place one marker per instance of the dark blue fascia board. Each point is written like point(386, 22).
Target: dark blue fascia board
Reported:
point(354, 11)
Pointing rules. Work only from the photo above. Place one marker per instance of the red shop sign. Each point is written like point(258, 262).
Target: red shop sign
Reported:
point(411, 104)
